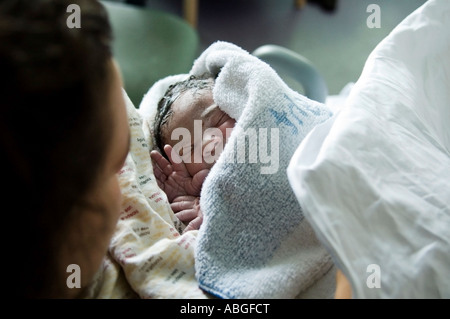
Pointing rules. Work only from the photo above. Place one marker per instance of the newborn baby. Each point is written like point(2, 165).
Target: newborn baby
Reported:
point(190, 131)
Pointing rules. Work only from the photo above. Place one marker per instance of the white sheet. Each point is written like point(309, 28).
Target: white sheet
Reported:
point(374, 181)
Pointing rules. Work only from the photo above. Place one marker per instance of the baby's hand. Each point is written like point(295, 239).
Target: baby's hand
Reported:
point(173, 177)
point(187, 209)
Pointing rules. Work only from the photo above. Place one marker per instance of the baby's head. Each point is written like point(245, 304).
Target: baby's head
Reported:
point(191, 122)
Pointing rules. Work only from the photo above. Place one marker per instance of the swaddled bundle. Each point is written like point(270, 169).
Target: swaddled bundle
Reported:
point(255, 241)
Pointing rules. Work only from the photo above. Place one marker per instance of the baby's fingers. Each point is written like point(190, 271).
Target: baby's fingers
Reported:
point(160, 184)
point(187, 216)
point(182, 203)
point(194, 224)
point(160, 176)
point(159, 173)
point(161, 163)
point(175, 160)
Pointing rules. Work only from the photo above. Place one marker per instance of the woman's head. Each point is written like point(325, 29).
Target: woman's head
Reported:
point(60, 110)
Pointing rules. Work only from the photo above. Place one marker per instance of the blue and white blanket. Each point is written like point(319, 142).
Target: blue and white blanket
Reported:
point(255, 241)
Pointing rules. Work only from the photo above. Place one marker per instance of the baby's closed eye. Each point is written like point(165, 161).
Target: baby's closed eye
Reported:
point(218, 118)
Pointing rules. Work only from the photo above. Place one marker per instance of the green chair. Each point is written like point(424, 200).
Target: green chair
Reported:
point(289, 63)
point(150, 45)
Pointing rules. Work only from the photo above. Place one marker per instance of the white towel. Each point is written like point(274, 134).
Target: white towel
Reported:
point(255, 241)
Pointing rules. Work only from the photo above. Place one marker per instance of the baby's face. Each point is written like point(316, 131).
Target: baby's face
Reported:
point(205, 131)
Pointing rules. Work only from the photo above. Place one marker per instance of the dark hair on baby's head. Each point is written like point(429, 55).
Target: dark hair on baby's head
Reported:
point(164, 111)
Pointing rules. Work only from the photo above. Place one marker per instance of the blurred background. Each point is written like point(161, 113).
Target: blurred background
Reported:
point(337, 39)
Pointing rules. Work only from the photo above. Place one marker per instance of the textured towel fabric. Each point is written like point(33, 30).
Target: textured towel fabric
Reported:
point(254, 241)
